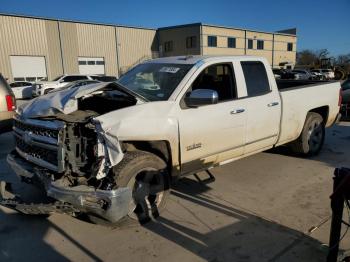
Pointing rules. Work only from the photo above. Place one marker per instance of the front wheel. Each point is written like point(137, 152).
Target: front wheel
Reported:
point(146, 175)
point(311, 139)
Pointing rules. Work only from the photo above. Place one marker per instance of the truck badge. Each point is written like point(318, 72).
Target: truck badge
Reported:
point(194, 146)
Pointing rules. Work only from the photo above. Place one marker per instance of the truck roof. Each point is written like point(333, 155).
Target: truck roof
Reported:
point(196, 58)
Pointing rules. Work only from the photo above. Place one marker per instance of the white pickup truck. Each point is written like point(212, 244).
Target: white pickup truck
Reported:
point(112, 150)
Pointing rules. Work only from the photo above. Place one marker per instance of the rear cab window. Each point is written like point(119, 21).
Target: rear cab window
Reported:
point(256, 79)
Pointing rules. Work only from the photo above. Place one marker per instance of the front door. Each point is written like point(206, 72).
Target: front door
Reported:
point(212, 133)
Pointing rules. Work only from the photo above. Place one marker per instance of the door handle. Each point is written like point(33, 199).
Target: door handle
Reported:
point(273, 104)
point(237, 111)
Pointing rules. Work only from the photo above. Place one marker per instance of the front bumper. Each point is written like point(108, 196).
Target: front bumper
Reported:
point(111, 205)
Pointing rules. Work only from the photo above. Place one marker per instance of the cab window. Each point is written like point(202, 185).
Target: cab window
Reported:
point(220, 78)
point(255, 77)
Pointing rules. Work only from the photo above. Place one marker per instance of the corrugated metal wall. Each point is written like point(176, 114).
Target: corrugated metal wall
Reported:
point(178, 37)
point(61, 43)
point(20, 36)
point(54, 59)
point(69, 44)
point(98, 41)
point(134, 46)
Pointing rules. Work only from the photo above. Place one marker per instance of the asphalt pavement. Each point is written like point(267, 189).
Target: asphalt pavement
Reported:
point(259, 209)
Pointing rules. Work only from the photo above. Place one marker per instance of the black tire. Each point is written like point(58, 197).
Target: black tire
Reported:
point(48, 90)
point(141, 168)
point(311, 139)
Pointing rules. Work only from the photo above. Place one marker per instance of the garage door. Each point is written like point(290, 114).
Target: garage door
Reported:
point(28, 68)
point(91, 65)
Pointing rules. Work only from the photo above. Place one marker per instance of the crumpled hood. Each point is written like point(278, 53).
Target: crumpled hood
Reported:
point(65, 101)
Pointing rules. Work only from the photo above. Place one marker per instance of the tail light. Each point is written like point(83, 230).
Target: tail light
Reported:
point(11, 103)
point(340, 97)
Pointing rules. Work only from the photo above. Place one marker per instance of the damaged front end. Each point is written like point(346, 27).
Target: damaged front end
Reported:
point(62, 148)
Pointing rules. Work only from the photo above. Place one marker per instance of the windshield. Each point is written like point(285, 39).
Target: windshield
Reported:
point(57, 78)
point(154, 81)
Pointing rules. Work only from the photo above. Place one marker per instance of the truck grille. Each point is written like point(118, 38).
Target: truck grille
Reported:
point(40, 131)
point(40, 142)
point(46, 155)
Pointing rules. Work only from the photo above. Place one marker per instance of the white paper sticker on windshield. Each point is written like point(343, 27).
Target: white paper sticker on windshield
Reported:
point(172, 70)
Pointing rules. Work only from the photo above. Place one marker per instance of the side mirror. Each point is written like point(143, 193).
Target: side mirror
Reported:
point(61, 81)
point(201, 97)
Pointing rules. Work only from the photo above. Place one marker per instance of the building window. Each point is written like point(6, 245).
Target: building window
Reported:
point(289, 46)
point(100, 62)
point(260, 44)
point(19, 79)
point(191, 42)
point(82, 62)
point(212, 41)
point(250, 43)
point(231, 42)
point(168, 46)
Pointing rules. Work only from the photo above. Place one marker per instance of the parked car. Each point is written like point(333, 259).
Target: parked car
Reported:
point(44, 87)
point(283, 73)
point(327, 73)
point(7, 106)
point(75, 84)
point(345, 91)
point(22, 90)
point(317, 76)
point(111, 150)
point(301, 74)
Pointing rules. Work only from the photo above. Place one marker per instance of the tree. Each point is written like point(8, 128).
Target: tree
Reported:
point(306, 57)
point(343, 59)
point(312, 58)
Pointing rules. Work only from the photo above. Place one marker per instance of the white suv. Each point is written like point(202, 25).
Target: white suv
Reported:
point(43, 87)
point(328, 73)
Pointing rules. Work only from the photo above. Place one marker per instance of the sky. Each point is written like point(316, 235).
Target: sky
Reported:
point(320, 24)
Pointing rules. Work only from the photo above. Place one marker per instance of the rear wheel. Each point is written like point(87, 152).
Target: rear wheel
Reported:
point(311, 139)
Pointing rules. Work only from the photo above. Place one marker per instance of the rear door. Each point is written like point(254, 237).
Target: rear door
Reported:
point(263, 107)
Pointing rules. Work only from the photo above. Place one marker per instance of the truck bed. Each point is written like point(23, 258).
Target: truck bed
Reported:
point(283, 84)
point(301, 96)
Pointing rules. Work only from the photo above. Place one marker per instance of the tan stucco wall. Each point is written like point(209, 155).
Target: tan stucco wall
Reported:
point(281, 53)
point(222, 34)
point(276, 42)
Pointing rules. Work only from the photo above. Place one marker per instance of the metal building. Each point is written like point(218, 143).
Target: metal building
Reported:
point(32, 48)
point(194, 39)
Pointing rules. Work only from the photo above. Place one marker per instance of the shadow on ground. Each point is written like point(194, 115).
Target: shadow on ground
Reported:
point(22, 239)
point(247, 238)
point(336, 149)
